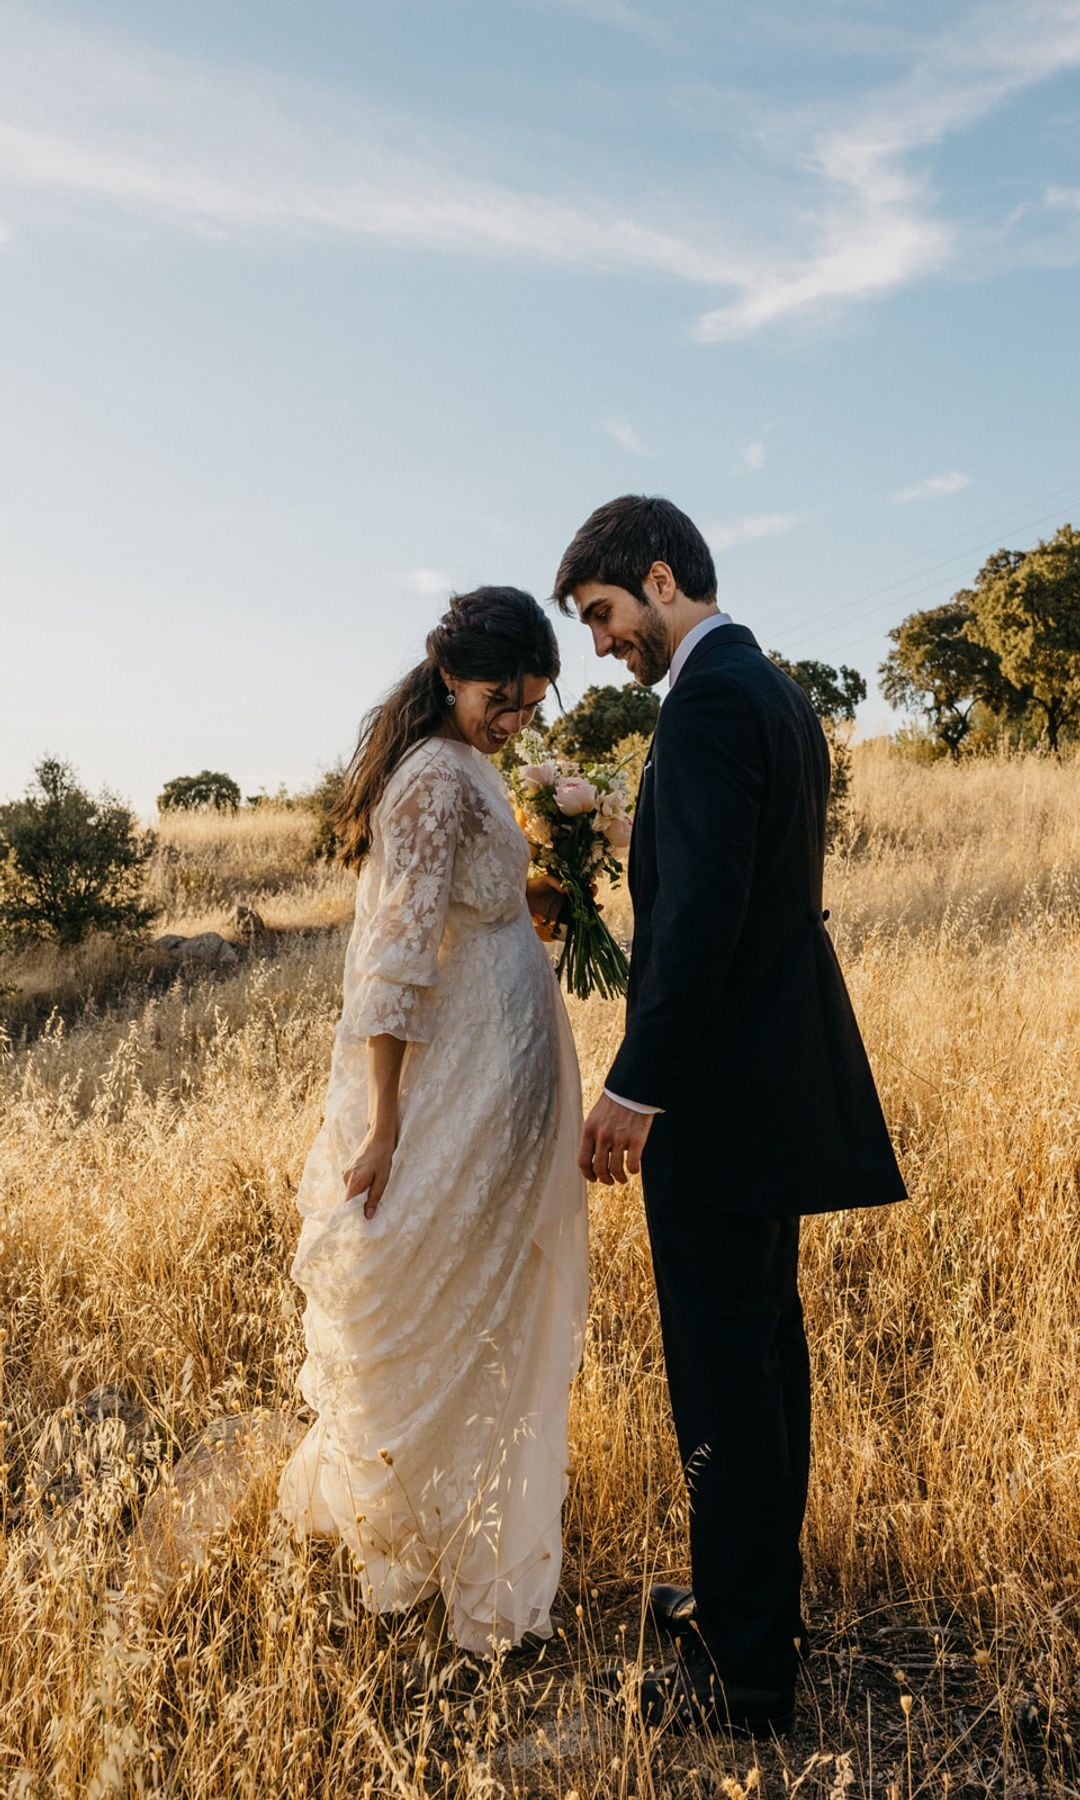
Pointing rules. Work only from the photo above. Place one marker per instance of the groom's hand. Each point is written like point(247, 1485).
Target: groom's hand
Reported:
point(612, 1142)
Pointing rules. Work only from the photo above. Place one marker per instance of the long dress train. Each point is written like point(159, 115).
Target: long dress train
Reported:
point(442, 1336)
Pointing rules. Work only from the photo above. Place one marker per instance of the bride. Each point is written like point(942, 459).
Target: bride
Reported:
point(443, 1246)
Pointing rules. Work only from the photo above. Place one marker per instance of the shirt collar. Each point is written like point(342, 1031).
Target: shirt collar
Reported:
point(691, 641)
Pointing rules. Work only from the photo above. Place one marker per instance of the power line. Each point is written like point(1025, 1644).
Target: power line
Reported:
point(932, 568)
point(890, 588)
point(998, 521)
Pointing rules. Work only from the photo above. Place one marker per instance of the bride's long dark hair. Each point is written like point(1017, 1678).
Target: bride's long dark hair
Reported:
point(493, 634)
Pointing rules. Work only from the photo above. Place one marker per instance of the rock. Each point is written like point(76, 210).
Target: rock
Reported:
point(208, 950)
point(206, 1488)
point(90, 1461)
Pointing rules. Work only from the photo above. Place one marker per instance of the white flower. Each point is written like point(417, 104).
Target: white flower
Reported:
point(530, 745)
point(538, 830)
point(575, 795)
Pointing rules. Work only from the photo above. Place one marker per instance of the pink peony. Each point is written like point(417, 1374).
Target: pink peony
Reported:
point(617, 830)
point(575, 795)
point(539, 775)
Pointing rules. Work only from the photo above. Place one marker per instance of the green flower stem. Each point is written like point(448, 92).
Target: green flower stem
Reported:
point(591, 960)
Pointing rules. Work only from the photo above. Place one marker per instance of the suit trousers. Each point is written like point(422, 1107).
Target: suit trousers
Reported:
point(739, 1378)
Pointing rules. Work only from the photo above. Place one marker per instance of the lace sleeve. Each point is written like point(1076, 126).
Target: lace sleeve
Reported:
point(395, 966)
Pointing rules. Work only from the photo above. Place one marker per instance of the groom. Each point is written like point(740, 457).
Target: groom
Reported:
point(741, 1090)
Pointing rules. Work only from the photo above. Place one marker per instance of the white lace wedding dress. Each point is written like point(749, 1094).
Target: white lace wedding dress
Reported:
point(442, 1335)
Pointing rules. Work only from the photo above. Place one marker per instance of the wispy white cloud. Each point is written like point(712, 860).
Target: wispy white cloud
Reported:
point(429, 581)
point(874, 227)
point(752, 456)
point(935, 487)
point(747, 531)
point(625, 436)
point(93, 120)
point(1067, 197)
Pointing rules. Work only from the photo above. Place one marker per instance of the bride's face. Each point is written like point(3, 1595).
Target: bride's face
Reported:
point(487, 714)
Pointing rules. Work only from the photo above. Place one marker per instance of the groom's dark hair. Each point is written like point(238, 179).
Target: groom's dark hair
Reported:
point(621, 540)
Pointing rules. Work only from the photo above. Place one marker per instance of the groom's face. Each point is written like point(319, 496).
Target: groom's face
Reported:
point(633, 631)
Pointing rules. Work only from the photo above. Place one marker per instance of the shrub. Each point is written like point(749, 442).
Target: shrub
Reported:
point(320, 800)
point(71, 864)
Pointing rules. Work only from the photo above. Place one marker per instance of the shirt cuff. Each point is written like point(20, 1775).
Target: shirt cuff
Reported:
point(634, 1105)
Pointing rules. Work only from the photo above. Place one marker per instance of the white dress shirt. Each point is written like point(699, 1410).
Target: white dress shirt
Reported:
point(678, 662)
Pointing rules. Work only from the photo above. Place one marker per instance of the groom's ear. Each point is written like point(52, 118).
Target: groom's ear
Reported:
point(660, 584)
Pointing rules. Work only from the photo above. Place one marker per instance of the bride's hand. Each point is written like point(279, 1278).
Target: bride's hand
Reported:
point(545, 896)
point(369, 1171)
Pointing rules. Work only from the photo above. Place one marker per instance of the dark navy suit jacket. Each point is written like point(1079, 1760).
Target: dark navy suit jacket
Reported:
point(738, 1021)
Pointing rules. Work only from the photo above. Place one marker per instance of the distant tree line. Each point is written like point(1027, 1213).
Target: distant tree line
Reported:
point(999, 658)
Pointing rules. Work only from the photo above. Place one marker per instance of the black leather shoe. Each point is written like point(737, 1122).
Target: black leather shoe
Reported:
point(678, 1697)
point(672, 1609)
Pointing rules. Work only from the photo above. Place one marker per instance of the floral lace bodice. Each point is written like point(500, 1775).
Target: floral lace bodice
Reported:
point(447, 860)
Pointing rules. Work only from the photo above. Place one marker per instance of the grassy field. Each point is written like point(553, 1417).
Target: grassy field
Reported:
point(149, 1149)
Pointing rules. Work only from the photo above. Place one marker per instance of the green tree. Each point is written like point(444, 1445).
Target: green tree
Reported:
point(71, 864)
point(938, 669)
point(602, 718)
point(1027, 612)
point(207, 789)
point(834, 694)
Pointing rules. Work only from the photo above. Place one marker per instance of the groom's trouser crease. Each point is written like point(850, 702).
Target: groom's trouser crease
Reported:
point(738, 1372)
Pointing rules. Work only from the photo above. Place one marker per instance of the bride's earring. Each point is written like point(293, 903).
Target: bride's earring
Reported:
point(451, 697)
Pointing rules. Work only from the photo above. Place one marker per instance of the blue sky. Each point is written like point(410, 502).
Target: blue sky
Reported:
point(311, 313)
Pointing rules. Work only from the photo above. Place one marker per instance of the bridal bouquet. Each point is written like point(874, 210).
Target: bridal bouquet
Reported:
point(576, 816)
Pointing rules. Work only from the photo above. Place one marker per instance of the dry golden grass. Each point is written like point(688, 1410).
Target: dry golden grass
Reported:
point(207, 862)
point(982, 844)
point(147, 1163)
point(205, 865)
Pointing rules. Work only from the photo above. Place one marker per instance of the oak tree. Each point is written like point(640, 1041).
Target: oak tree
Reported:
point(936, 667)
point(1027, 611)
